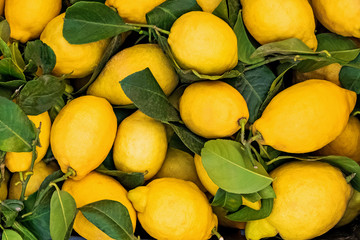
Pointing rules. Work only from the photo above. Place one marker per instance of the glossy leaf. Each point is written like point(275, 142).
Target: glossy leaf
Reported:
point(16, 130)
point(39, 95)
point(142, 88)
point(13, 84)
point(16, 55)
point(87, 22)
point(230, 201)
point(350, 77)
point(221, 11)
point(9, 234)
point(233, 11)
point(8, 213)
point(23, 231)
point(4, 31)
point(9, 68)
point(229, 167)
point(248, 214)
point(42, 55)
point(111, 217)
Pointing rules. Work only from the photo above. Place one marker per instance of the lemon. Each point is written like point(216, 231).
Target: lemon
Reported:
point(4, 186)
point(40, 172)
point(203, 42)
point(347, 143)
point(305, 117)
point(2, 5)
point(140, 145)
point(271, 21)
point(212, 109)
point(339, 16)
point(352, 210)
point(329, 72)
point(92, 188)
point(170, 208)
point(223, 221)
point(82, 134)
point(181, 165)
point(21, 161)
point(133, 11)
point(78, 60)
point(208, 5)
point(27, 19)
point(127, 62)
point(311, 197)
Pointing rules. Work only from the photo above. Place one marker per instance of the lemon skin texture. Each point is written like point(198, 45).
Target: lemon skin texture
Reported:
point(40, 171)
point(203, 42)
point(305, 117)
point(21, 161)
point(92, 188)
point(140, 145)
point(347, 143)
point(127, 62)
point(4, 186)
point(78, 60)
point(212, 109)
point(170, 208)
point(329, 72)
point(82, 134)
point(27, 19)
point(311, 197)
point(339, 16)
point(271, 21)
point(208, 5)
point(133, 11)
point(2, 6)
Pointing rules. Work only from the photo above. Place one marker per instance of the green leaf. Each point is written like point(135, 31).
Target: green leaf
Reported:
point(192, 141)
point(23, 231)
point(284, 47)
point(9, 234)
point(10, 212)
point(75, 1)
point(13, 84)
point(267, 193)
point(16, 130)
point(16, 55)
point(254, 86)
point(87, 22)
point(62, 214)
point(233, 11)
point(350, 77)
point(221, 11)
point(5, 31)
point(229, 167)
point(143, 89)
point(5, 93)
point(9, 68)
point(41, 94)
point(175, 142)
point(164, 15)
point(127, 179)
point(42, 55)
point(245, 47)
point(5, 49)
point(55, 109)
point(246, 214)
point(252, 197)
point(111, 217)
point(230, 201)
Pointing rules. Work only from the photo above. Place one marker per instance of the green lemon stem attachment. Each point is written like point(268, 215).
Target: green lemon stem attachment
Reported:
point(217, 234)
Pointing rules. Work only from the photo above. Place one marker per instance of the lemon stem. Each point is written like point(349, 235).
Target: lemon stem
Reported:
point(217, 234)
point(148, 26)
point(242, 123)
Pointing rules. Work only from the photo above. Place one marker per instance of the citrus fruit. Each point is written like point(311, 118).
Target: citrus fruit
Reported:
point(329, 72)
point(78, 60)
point(92, 188)
point(133, 11)
point(311, 198)
point(170, 208)
point(271, 21)
point(2, 5)
point(127, 62)
point(305, 117)
point(347, 143)
point(40, 172)
point(352, 209)
point(203, 42)
point(82, 134)
point(339, 16)
point(27, 19)
point(21, 161)
point(181, 165)
point(208, 5)
point(212, 109)
point(140, 145)
point(4, 186)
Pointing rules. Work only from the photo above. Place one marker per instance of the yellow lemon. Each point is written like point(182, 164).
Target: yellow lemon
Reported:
point(27, 19)
point(21, 161)
point(4, 186)
point(133, 11)
point(78, 60)
point(140, 145)
point(203, 42)
point(305, 117)
point(92, 188)
point(82, 134)
point(352, 209)
point(271, 21)
point(129, 61)
point(208, 5)
point(170, 208)
point(339, 16)
point(329, 72)
point(311, 197)
point(347, 143)
point(40, 172)
point(2, 5)
point(181, 165)
point(212, 109)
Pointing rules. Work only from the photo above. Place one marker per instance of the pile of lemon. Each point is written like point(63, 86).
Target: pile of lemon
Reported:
point(313, 114)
